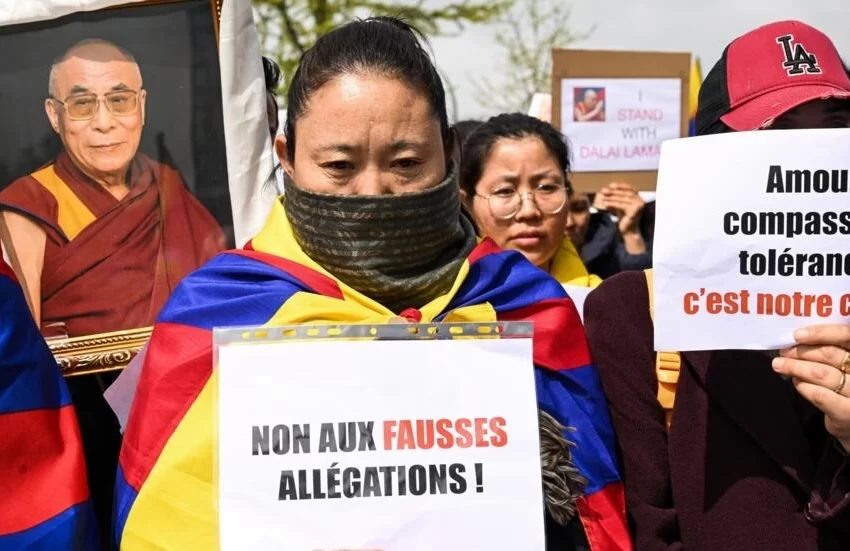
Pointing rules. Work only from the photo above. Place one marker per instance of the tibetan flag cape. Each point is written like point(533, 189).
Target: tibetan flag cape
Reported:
point(44, 494)
point(165, 493)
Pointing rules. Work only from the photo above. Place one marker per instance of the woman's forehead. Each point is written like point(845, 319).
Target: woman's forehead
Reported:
point(527, 154)
point(353, 107)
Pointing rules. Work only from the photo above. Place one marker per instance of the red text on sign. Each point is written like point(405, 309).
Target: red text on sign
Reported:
point(632, 114)
point(424, 434)
point(795, 304)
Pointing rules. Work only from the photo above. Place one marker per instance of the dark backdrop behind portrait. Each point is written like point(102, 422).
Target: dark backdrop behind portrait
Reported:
point(175, 47)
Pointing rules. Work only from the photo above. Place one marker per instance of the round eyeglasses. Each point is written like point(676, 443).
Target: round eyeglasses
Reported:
point(507, 202)
point(82, 107)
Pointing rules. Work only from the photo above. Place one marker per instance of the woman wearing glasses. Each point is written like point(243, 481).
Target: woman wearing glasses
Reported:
point(514, 182)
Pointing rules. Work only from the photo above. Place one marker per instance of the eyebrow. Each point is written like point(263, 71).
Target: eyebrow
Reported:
point(77, 89)
point(401, 145)
point(338, 148)
point(534, 177)
point(545, 174)
point(394, 147)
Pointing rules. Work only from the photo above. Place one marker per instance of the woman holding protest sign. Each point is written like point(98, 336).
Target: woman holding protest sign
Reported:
point(720, 452)
point(370, 231)
point(514, 179)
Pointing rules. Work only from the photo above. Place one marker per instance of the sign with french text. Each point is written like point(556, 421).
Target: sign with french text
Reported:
point(393, 445)
point(618, 124)
point(751, 238)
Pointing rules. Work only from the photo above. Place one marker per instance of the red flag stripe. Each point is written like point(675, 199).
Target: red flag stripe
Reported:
point(6, 271)
point(556, 323)
point(486, 247)
point(43, 472)
point(320, 283)
point(603, 517)
point(164, 394)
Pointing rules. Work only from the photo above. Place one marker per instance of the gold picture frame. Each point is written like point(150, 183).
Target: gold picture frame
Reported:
point(110, 351)
point(98, 353)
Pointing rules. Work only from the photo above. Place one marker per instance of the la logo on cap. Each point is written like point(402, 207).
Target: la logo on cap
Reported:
point(796, 57)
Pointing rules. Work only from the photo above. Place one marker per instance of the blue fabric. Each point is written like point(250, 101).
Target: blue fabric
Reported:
point(74, 529)
point(507, 281)
point(230, 290)
point(574, 397)
point(29, 376)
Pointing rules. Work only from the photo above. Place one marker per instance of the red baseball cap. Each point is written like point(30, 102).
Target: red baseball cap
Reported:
point(766, 73)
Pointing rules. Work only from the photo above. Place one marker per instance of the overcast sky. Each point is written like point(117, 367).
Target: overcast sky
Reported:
point(702, 27)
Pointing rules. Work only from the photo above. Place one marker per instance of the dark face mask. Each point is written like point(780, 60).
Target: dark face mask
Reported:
point(400, 250)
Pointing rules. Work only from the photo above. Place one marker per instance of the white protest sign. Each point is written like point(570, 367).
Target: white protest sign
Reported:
point(379, 445)
point(751, 238)
point(578, 295)
point(541, 107)
point(618, 124)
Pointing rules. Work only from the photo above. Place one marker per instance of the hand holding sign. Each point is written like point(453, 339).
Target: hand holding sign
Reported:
point(819, 365)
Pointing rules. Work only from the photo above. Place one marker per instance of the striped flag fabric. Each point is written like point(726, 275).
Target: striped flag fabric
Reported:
point(165, 490)
point(693, 101)
point(44, 494)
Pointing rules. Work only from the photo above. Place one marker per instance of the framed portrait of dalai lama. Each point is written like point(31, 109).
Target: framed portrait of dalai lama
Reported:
point(113, 167)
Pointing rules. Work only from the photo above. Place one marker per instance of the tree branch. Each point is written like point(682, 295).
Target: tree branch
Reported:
point(301, 22)
point(290, 28)
point(527, 59)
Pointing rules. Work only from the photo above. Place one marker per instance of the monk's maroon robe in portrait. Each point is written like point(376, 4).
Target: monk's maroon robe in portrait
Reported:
point(111, 264)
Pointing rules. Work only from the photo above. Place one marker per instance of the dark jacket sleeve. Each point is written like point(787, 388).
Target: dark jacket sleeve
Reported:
point(830, 499)
point(628, 261)
point(620, 334)
point(604, 252)
point(599, 242)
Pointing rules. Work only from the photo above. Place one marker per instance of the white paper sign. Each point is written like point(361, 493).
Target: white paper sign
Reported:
point(578, 296)
point(458, 419)
point(752, 238)
point(618, 124)
point(541, 107)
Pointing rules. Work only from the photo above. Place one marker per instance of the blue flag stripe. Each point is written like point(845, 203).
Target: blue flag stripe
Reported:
point(507, 281)
point(74, 529)
point(230, 290)
point(29, 376)
point(574, 397)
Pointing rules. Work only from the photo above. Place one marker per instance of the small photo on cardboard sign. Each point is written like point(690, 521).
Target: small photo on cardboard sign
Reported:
point(589, 104)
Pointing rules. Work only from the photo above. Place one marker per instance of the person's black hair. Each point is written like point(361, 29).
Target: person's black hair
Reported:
point(379, 45)
point(271, 71)
point(647, 222)
point(464, 128)
point(272, 74)
point(514, 126)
